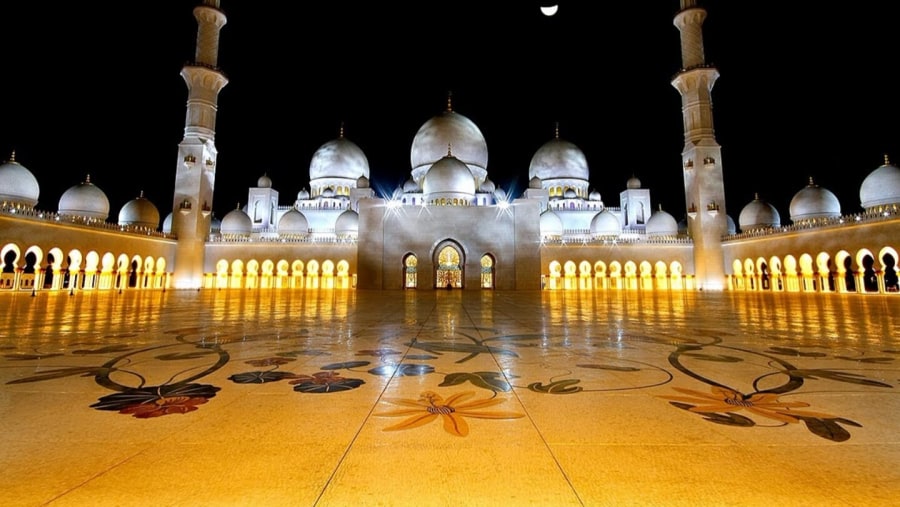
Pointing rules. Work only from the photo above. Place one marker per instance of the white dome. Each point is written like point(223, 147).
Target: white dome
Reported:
point(570, 194)
point(448, 177)
point(558, 159)
point(730, 227)
point(17, 184)
point(84, 200)
point(535, 182)
point(881, 187)
point(633, 183)
point(215, 225)
point(551, 224)
point(328, 192)
point(303, 195)
point(449, 129)
point(264, 181)
point(594, 196)
point(814, 201)
point(758, 214)
point(362, 182)
point(167, 223)
point(339, 158)
point(411, 187)
point(661, 223)
point(487, 187)
point(605, 223)
point(347, 224)
point(236, 223)
point(293, 223)
point(500, 195)
point(139, 212)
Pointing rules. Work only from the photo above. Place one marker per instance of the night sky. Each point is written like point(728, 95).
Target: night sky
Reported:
point(89, 88)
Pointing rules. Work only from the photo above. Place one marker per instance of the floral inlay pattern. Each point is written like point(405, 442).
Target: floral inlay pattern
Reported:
point(452, 411)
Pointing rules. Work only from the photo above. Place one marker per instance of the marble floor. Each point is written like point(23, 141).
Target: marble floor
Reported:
point(456, 398)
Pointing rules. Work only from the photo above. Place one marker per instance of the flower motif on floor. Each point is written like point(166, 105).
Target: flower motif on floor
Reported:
point(147, 402)
point(324, 382)
point(453, 411)
point(764, 404)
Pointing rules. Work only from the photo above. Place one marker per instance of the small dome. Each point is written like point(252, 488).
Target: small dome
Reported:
point(264, 181)
point(236, 223)
point(558, 159)
point(453, 129)
point(139, 212)
point(730, 228)
point(328, 192)
point(347, 224)
point(570, 194)
point(84, 200)
point(293, 223)
point(535, 182)
point(17, 184)
point(411, 187)
point(605, 223)
point(881, 187)
point(500, 195)
point(683, 225)
point(594, 196)
point(661, 223)
point(339, 158)
point(215, 225)
point(551, 225)
point(448, 177)
point(813, 202)
point(303, 195)
point(633, 183)
point(758, 214)
point(487, 187)
point(362, 182)
point(167, 224)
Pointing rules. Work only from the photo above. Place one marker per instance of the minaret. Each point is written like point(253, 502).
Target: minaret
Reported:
point(704, 189)
point(195, 174)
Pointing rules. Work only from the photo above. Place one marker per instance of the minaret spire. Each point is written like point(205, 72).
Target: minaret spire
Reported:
point(195, 173)
point(702, 155)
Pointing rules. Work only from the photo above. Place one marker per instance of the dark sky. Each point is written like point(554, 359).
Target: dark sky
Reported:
point(94, 88)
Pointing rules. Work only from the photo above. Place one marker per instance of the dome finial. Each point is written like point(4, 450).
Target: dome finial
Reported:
point(449, 101)
point(12, 157)
point(341, 131)
point(887, 161)
point(141, 196)
point(87, 178)
point(449, 149)
point(811, 182)
point(238, 205)
point(755, 196)
point(556, 130)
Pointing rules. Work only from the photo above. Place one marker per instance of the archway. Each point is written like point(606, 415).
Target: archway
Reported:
point(410, 274)
point(449, 272)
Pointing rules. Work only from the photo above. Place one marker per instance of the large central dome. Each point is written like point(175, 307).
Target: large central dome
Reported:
point(449, 129)
point(339, 158)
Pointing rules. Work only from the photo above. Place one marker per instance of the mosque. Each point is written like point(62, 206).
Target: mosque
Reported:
point(448, 226)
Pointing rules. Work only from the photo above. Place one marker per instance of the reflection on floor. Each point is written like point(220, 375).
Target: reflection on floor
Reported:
point(345, 398)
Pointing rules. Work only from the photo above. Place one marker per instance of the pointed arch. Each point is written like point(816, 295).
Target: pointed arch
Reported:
point(410, 271)
point(449, 262)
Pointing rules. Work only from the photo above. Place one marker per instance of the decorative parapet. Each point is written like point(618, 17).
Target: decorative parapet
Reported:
point(887, 214)
point(26, 213)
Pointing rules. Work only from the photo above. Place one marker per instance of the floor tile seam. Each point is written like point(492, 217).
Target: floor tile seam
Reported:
point(368, 417)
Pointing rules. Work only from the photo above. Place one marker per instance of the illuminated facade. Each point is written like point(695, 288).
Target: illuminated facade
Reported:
point(448, 226)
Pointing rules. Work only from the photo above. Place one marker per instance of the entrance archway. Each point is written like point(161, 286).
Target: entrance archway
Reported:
point(449, 261)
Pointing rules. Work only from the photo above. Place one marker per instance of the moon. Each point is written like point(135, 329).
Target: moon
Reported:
point(549, 10)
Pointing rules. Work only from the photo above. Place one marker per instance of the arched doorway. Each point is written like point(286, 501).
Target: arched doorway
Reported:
point(410, 278)
point(449, 261)
point(487, 272)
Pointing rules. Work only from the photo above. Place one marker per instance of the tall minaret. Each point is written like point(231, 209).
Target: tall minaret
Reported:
point(704, 190)
point(195, 174)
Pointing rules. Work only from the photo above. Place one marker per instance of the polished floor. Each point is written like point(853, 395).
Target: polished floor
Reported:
point(456, 398)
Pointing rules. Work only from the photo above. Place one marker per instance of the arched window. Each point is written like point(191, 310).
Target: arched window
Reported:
point(487, 272)
point(410, 275)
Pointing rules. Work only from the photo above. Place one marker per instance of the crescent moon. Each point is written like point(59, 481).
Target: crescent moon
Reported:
point(551, 10)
